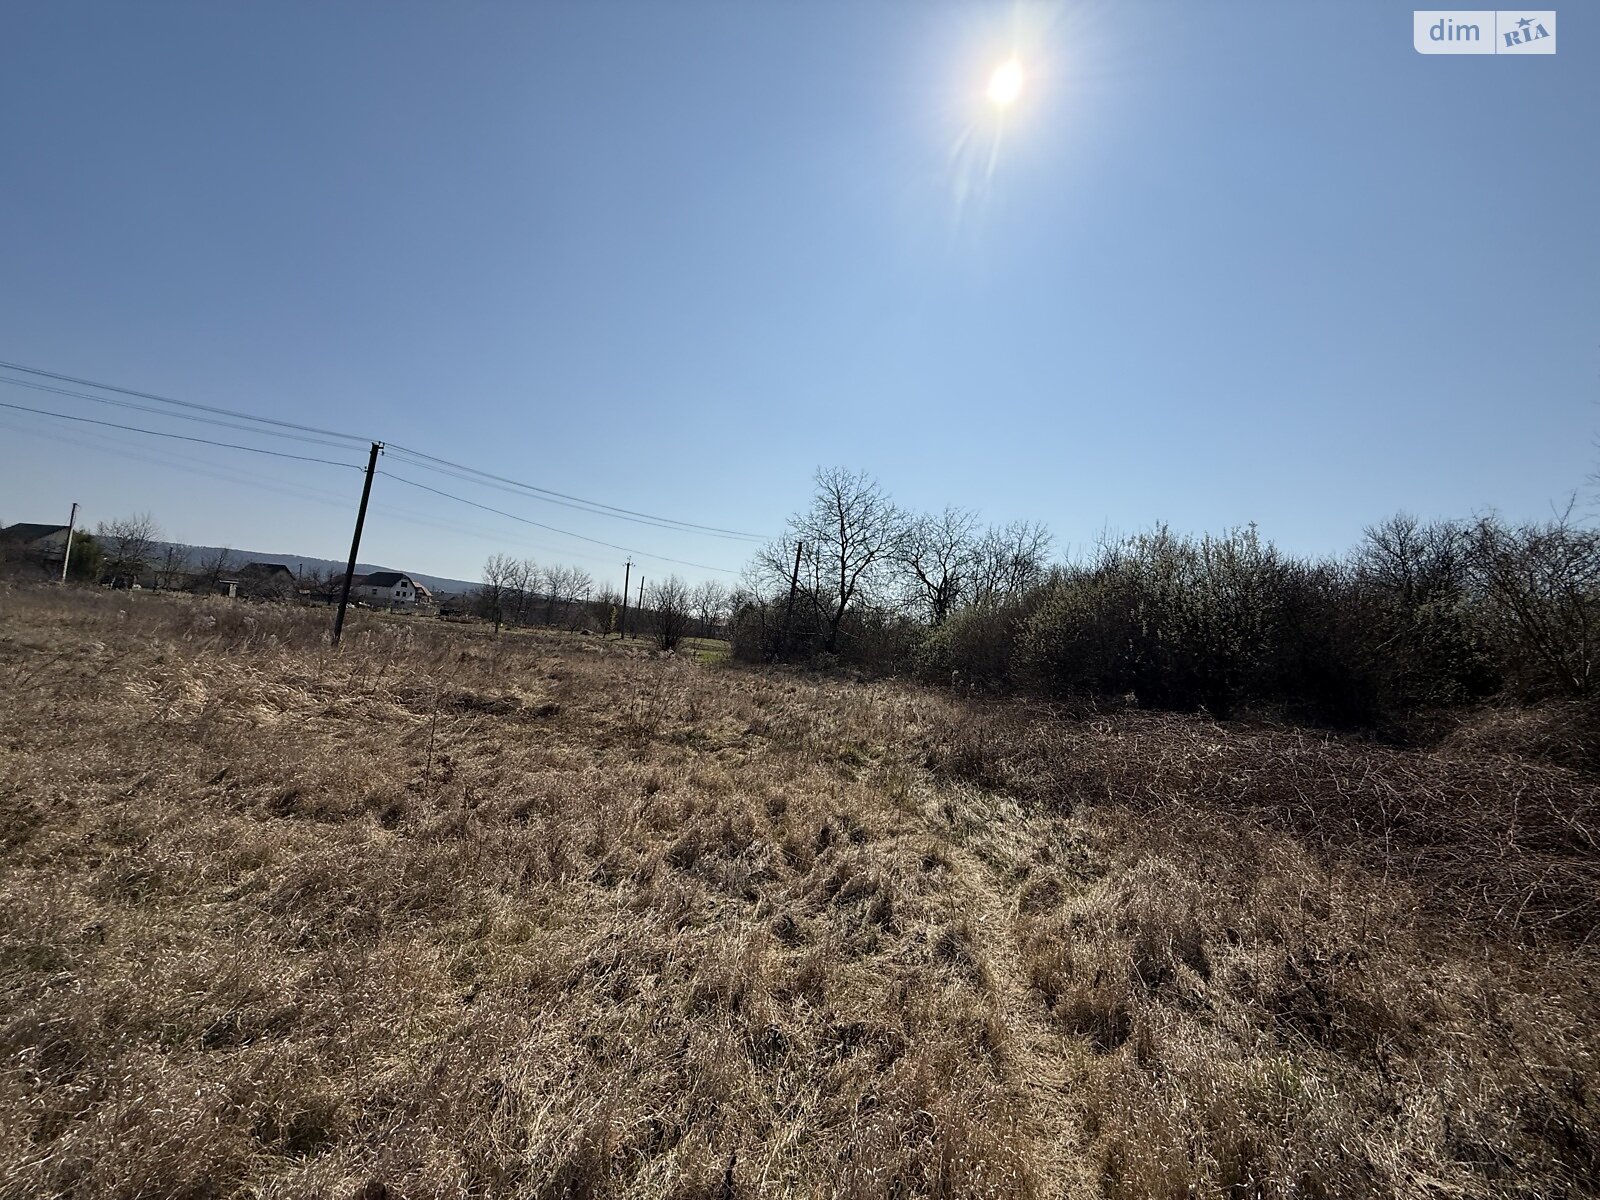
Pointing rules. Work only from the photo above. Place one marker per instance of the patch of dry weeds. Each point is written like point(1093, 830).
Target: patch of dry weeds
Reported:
point(443, 914)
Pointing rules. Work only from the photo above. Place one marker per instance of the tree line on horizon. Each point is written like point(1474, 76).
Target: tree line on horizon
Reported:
point(521, 591)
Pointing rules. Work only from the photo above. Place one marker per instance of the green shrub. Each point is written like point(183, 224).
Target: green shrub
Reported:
point(1178, 622)
point(978, 645)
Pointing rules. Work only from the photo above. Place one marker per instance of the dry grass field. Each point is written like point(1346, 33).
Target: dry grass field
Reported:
point(441, 914)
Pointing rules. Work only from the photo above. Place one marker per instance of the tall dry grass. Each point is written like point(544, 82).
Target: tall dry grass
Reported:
point(444, 914)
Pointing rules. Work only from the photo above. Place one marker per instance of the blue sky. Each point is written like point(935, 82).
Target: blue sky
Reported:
point(1223, 263)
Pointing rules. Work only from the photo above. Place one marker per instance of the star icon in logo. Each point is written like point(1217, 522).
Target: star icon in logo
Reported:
point(1524, 23)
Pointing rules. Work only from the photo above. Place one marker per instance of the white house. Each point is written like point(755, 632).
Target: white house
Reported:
point(389, 589)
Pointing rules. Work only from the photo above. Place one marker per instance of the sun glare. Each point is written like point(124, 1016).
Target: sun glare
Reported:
point(1005, 85)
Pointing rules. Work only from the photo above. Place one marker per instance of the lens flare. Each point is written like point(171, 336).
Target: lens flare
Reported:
point(1005, 85)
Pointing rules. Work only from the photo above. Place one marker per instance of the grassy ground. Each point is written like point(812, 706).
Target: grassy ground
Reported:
point(441, 914)
point(705, 650)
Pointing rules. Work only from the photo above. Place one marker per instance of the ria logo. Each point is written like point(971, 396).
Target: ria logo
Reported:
point(1529, 30)
point(1484, 31)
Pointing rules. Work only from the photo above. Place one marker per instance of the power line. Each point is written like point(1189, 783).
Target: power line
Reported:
point(189, 464)
point(226, 412)
point(553, 529)
point(45, 412)
point(483, 533)
point(193, 466)
point(413, 457)
point(594, 504)
point(527, 491)
point(198, 466)
point(45, 387)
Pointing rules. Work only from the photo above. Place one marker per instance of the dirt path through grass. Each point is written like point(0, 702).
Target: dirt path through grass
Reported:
point(994, 846)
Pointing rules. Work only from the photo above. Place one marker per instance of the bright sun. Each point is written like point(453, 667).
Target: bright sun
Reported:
point(1005, 85)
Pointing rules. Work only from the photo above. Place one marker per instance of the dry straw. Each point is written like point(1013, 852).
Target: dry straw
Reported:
point(446, 914)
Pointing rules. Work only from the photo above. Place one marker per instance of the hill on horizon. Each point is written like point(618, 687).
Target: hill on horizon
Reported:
point(298, 563)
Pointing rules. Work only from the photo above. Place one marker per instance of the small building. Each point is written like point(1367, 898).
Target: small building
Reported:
point(268, 581)
point(44, 542)
point(454, 604)
point(385, 589)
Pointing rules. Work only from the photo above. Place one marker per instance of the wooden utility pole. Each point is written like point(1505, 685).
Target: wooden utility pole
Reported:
point(622, 630)
point(788, 612)
point(72, 523)
point(355, 542)
point(640, 604)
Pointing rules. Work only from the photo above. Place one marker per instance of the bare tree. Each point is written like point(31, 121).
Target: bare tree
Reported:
point(1541, 584)
point(852, 530)
point(710, 601)
point(576, 584)
point(605, 606)
point(1008, 560)
point(552, 582)
point(318, 582)
point(500, 575)
point(757, 607)
point(213, 569)
point(938, 557)
point(129, 545)
point(174, 567)
point(670, 611)
point(524, 586)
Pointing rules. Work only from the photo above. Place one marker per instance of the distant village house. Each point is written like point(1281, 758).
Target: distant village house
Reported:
point(268, 581)
point(45, 543)
point(390, 589)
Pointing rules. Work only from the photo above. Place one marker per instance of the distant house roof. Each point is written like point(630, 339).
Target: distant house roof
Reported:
point(24, 532)
point(261, 568)
point(385, 579)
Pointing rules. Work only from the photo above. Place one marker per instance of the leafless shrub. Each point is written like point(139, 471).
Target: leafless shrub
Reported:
point(504, 586)
point(129, 544)
point(668, 605)
point(1541, 586)
point(710, 602)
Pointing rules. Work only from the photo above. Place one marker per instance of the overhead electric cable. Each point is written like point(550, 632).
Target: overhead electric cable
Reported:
point(485, 534)
point(413, 457)
point(226, 412)
point(45, 412)
point(45, 387)
point(554, 529)
point(687, 525)
point(528, 492)
point(191, 465)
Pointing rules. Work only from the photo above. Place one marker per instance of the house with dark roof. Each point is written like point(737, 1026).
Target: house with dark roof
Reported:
point(270, 581)
point(40, 543)
point(385, 589)
point(35, 537)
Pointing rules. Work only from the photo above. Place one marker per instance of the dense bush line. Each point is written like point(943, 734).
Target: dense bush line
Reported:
point(1418, 619)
